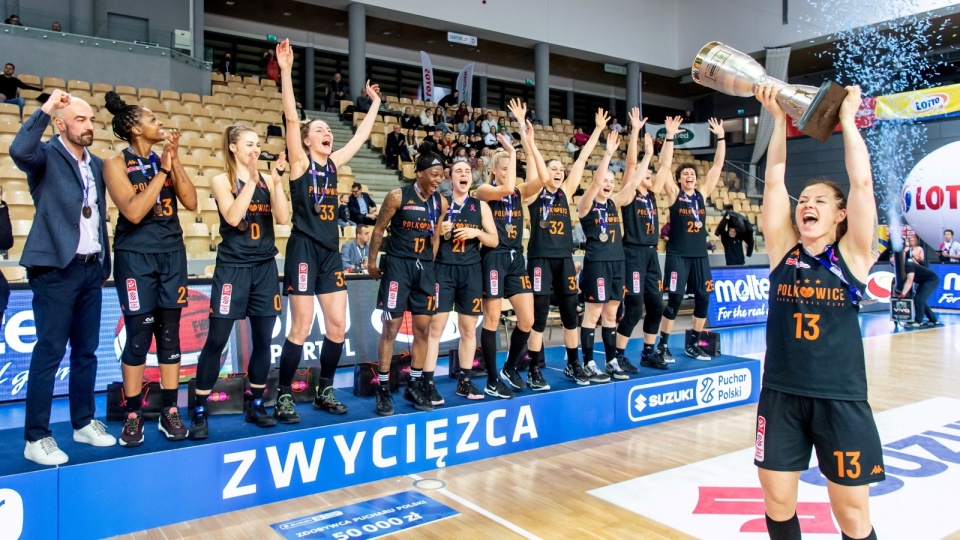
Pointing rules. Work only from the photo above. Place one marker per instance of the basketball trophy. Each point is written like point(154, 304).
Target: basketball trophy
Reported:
point(816, 111)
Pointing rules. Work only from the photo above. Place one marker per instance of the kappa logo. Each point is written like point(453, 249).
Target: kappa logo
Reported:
point(877, 470)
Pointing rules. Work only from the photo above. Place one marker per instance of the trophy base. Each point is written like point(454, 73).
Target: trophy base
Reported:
point(823, 115)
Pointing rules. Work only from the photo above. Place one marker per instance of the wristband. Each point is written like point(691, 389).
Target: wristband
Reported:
point(162, 170)
point(719, 139)
point(280, 171)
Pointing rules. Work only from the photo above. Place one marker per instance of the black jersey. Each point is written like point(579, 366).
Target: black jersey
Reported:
point(921, 274)
point(461, 252)
point(550, 230)
point(317, 186)
point(602, 219)
point(412, 226)
point(641, 223)
point(814, 347)
point(686, 239)
point(507, 212)
point(256, 242)
point(155, 233)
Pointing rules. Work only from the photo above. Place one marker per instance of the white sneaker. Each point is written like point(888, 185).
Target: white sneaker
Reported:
point(594, 373)
point(44, 452)
point(94, 434)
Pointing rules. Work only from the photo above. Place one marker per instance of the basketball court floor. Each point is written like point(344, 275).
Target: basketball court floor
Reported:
point(685, 478)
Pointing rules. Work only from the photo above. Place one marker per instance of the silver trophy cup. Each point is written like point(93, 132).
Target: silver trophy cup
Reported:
point(816, 111)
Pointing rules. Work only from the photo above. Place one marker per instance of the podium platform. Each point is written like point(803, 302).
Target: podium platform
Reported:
point(241, 466)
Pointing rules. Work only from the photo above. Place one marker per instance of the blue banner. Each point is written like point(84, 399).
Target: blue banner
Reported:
point(28, 504)
point(947, 294)
point(368, 519)
point(740, 296)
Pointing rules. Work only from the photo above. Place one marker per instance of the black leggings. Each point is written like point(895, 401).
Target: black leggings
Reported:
point(208, 366)
point(568, 311)
point(162, 324)
point(633, 311)
point(920, 307)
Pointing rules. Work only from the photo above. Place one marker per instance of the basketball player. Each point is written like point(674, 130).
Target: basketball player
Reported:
point(550, 258)
point(409, 282)
point(245, 281)
point(687, 268)
point(312, 267)
point(504, 268)
point(150, 271)
point(814, 389)
point(467, 224)
point(602, 277)
point(641, 229)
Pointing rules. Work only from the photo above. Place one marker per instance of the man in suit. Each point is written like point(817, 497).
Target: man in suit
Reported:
point(67, 259)
point(336, 90)
point(362, 208)
point(396, 146)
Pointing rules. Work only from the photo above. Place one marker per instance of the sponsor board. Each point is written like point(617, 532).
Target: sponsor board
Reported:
point(723, 387)
point(947, 295)
point(367, 519)
point(740, 296)
point(930, 197)
point(721, 497)
point(28, 505)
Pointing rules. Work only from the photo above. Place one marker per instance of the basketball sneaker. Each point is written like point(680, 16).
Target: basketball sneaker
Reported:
point(575, 371)
point(594, 373)
point(614, 370)
point(498, 390)
point(415, 394)
point(535, 379)
point(513, 379)
point(653, 360)
point(625, 364)
point(432, 395)
point(384, 401)
point(284, 411)
point(694, 351)
point(257, 414)
point(132, 434)
point(198, 424)
point(326, 400)
point(466, 388)
point(663, 350)
point(171, 425)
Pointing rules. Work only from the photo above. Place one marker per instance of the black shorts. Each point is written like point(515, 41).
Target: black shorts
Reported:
point(602, 281)
point(245, 291)
point(147, 281)
point(642, 270)
point(682, 275)
point(840, 431)
point(459, 286)
point(558, 276)
point(310, 268)
point(407, 285)
point(504, 275)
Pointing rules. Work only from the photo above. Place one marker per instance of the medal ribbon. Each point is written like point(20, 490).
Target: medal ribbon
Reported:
point(827, 260)
point(545, 209)
point(602, 215)
point(695, 207)
point(239, 187)
point(143, 169)
point(318, 197)
point(431, 205)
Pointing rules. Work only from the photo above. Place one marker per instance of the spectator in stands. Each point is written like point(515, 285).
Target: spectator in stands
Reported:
point(447, 154)
point(450, 100)
point(927, 282)
point(13, 20)
point(489, 126)
point(617, 164)
point(364, 102)
point(396, 146)
point(477, 120)
point(66, 182)
point(336, 91)
point(413, 143)
point(571, 146)
point(505, 132)
point(445, 189)
point(56, 26)
point(461, 119)
point(6, 242)
point(355, 253)
point(502, 124)
point(949, 248)
point(733, 230)
point(385, 108)
point(10, 87)
point(616, 127)
point(532, 117)
point(580, 137)
point(658, 145)
point(301, 117)
point(362, 208)
point(268, 66)
point(440, 120)
point(915, 251)
point(408, 120)
point(490, 139)
point(426, 119)
point(431, 145)
point(226, 65)
point(343, 213)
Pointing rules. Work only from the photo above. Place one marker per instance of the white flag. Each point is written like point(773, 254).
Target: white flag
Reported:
point(465, 83)
point(427, 77)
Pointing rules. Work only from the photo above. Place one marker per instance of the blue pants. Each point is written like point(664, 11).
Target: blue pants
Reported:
point(18, 101)
point(66, 307)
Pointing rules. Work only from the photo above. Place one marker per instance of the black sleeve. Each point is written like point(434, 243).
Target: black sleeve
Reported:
point(721, 227)
point(750, 241)
point(6, 231)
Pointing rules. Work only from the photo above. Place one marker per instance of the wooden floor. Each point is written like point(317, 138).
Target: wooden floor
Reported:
point(544, 491)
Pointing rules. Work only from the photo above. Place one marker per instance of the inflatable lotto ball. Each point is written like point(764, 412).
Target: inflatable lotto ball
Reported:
point(931, 194)
point(194, 325)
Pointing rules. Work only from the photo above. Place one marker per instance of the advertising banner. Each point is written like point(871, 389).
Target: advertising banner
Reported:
point(927, 104)
point(695, 136)
point(428, 80)
point(465, 84)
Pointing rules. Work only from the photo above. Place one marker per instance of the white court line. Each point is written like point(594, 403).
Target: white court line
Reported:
point(481, 511)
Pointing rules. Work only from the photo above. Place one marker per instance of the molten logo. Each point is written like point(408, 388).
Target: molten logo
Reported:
point(225, 295)
point(494, 283)
point(133, 298)
point(302, 277)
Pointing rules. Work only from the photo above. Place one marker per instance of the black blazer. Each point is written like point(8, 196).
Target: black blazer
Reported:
point(356, 215)
point(53, 176)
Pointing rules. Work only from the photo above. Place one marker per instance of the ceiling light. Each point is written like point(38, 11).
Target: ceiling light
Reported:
point(230, 2)
point(387, 32)
point(287, 13)
point(338, 23)
point(431, 41)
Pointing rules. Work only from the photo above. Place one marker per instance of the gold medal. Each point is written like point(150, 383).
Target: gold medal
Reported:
point(87, 211)
point(158, 209)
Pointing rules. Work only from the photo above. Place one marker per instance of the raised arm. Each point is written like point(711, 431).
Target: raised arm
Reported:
point(25, 148)
point(298, 158)
point(713, 175)
point(488, 234)
point(586, 201)
point(636, 125)
point(861, 239)
point(387, 210)
point(576, 172)
point(631, 181)
point(279, 204)
point(663, 181)
point(778, 230)
point(182, 185)
point(343, 155)
point(488, 192)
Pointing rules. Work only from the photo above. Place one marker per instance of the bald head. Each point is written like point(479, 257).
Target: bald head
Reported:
point(75, 122)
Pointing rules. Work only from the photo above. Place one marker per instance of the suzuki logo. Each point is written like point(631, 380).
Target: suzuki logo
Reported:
point(640, 403)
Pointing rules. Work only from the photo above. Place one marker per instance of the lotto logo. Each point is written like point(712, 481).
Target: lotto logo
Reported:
point(761, 432)
point(494, 282)
point(673, 282)
point(302, 277)
point(537, 272)
point(392, 296)
point(636, 282)
point(133, 298)
point(601, 290)
point(225, 295)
